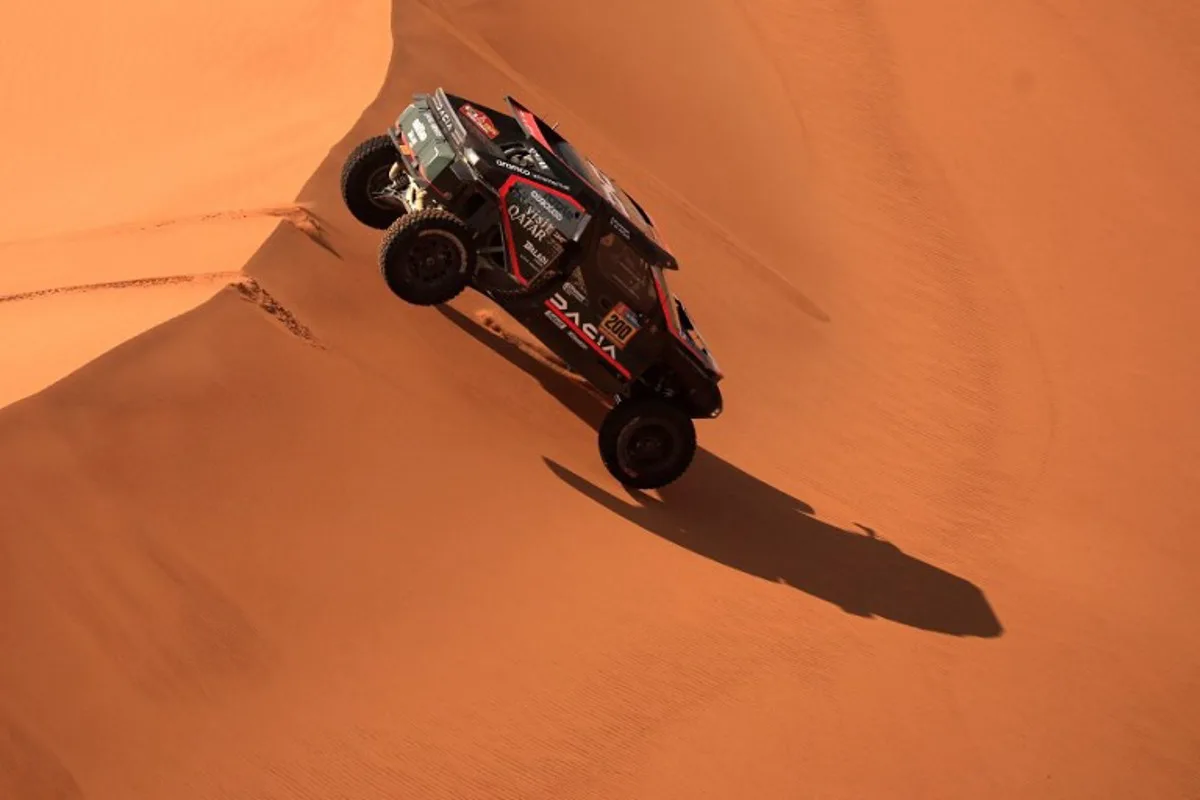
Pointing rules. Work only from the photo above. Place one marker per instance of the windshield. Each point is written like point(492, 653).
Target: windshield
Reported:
point(681, 322)
point(666, 298)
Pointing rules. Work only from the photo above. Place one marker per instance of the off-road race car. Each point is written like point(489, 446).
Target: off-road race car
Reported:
point(470, 196)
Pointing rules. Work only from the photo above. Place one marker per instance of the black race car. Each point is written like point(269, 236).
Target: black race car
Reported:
point(470, 196)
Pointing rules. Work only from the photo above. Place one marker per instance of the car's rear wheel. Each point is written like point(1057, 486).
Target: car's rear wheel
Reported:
point(367, 189)
point(428, 257)
point(647, 443)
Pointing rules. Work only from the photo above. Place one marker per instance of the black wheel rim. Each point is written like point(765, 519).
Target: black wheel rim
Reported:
point(433, 256)
point(648, 446)
point(377, 184)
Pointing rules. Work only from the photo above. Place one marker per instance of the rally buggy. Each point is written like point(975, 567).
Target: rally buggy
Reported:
point(473, 197)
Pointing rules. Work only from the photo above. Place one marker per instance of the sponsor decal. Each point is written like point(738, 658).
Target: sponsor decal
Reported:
point(539, 258)
point(556, 319)
point(619, 228)
point(481, 120)
point(418, 130)
point(574, 286)
point(533, 176)
point(500, 162)
point(533, 223)
point(620, 325)
point(598, 338)
point(449, 122)
point(547, 205)
point(541, 162)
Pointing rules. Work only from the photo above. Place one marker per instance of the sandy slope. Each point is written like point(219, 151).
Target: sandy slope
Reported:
point(304, 541)
point(144, 142)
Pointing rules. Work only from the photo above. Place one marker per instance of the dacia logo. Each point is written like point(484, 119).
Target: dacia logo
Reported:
point(591, 331)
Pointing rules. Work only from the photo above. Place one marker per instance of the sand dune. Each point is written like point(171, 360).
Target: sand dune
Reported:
point(145, 143)
point(298, 539)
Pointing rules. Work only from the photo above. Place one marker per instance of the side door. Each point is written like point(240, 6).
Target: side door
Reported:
point(617, 287)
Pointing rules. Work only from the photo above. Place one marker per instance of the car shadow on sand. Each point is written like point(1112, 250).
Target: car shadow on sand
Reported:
point(723, 513)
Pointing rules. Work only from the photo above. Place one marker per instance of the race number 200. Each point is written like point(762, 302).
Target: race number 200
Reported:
point(616, 327)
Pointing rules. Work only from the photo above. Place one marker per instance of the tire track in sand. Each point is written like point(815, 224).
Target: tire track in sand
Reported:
point(297, 215)
point(249, 288)
point(131, 283)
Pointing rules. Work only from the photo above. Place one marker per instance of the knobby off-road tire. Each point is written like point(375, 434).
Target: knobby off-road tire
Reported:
point(428, 257)
point(364, 172)
point(647, 443)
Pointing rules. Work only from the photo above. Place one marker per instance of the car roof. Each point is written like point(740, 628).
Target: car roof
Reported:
point(595, 178)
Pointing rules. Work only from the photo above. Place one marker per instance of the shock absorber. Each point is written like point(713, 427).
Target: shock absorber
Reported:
point(414, 197)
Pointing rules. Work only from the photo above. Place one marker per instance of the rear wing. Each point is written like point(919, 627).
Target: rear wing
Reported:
point(533, 126)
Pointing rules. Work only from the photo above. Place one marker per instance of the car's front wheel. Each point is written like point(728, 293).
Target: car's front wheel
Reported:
point(647, 443)
point(367, 188)
point(428, 257)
